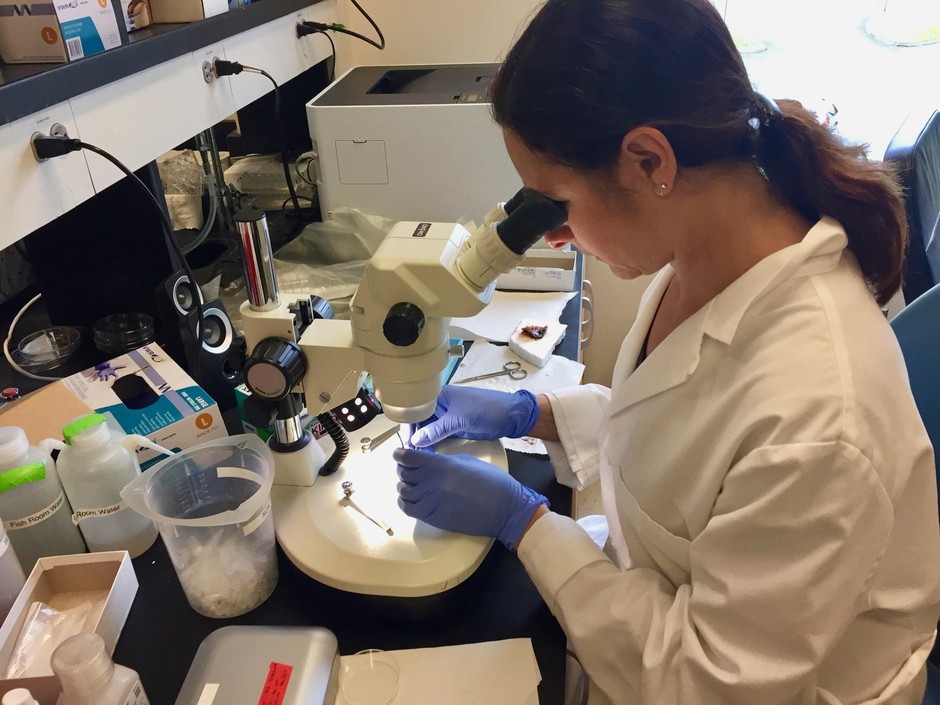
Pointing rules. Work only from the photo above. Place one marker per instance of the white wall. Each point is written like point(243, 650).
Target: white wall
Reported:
point(433, 31)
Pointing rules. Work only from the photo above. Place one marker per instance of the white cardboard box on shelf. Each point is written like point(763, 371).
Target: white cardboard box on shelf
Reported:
point(105, 581)
point(542, 269)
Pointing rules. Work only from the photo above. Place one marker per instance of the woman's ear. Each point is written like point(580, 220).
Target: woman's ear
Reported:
point(647, 162)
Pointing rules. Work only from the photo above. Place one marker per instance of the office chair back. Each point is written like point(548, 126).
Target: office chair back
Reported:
point(915, 152)
point(917, 328)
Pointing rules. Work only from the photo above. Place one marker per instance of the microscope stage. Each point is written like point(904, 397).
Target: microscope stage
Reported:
point(365, 543)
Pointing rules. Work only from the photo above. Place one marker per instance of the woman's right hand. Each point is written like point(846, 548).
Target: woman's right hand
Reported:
point(478, 414)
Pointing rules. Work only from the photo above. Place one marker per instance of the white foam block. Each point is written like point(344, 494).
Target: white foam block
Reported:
point(536, 351)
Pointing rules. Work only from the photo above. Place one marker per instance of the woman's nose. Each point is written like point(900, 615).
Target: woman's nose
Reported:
point(560, 236)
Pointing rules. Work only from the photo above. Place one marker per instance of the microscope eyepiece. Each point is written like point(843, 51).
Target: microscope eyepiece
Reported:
point(529, 216)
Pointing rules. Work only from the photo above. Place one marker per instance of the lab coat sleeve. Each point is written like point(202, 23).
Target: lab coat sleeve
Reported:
point(579, 414)
point(777, 575)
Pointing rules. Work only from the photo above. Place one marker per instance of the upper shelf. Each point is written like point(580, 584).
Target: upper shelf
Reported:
point(29, 88)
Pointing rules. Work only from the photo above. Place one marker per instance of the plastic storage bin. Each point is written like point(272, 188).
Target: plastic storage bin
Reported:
point(212, 504)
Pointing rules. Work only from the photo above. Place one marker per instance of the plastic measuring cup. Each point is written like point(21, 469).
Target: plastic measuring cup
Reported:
point(212, 504)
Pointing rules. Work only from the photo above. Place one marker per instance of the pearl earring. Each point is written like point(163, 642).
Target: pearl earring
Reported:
point(663, 188)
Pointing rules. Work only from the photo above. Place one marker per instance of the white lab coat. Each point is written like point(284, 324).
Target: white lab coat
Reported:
point(772, 501)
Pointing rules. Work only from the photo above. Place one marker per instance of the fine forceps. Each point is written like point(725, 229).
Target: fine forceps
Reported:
point(513, 369)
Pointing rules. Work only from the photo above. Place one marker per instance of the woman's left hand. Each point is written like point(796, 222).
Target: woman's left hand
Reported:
point(464, 494)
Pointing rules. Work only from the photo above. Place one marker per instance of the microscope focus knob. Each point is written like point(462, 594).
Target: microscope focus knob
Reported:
point(403, 324)
point(275, 366)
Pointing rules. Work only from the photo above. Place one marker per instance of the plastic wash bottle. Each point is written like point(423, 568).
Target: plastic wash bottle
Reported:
point(95, 463)
point(11, 575)
point(89, 677)
point(33, 506)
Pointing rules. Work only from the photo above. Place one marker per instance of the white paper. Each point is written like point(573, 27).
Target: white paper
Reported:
point(497, 321)
point(493, 672)
point(484, 357)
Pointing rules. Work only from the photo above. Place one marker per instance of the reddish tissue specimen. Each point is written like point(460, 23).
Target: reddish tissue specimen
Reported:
point(535, 332)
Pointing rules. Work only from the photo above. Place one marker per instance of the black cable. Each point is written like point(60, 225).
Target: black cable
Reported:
point(171, 241)
point(307, 27)
point(374, 26)
point(332, 55)
point(233, 68)
point(282, 138)
point(301, 198)
point(332, 426)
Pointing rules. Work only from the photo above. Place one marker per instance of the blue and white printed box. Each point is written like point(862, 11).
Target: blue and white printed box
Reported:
point(142, 392)
point(58, 31)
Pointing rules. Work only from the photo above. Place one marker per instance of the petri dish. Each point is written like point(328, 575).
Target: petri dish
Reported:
point(369, 677)
point(122, 332)
point(47, 348)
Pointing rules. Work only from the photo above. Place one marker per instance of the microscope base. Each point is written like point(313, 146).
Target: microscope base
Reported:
point(299, 468)
point(345, 542)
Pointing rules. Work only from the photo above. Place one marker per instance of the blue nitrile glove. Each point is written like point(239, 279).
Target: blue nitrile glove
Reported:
point(478, 414)
point(462, 493)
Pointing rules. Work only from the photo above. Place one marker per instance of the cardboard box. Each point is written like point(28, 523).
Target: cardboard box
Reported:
point(143, 392)
point(58, 31)
point(173, 11)
point(136, 14)
point(542, 270)
point(104, 581)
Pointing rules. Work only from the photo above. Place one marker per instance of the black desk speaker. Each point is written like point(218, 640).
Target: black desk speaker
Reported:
point(221, 355)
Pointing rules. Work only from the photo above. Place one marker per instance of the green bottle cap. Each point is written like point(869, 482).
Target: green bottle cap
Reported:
point(34, 472)
point(80, 424)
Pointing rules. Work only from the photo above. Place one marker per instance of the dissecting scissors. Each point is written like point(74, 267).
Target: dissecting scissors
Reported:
point(513, 369)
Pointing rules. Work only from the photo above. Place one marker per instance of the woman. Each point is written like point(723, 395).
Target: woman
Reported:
point(768, 482)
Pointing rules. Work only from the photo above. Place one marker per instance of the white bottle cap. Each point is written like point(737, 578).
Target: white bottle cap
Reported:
point(82, 664)
point(13, 446)
point(19, 696)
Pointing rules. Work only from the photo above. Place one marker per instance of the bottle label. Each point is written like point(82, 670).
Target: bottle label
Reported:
point(81, 515)
point(37, 517)
point(4, 544)
point(137, 696)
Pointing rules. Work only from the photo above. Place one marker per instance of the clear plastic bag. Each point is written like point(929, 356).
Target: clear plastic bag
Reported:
point(326, 260)
point(44, 629)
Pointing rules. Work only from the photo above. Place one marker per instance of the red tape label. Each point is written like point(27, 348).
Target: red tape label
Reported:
point(275, 685)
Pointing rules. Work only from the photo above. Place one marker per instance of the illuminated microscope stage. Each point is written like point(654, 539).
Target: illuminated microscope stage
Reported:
point(330, 538)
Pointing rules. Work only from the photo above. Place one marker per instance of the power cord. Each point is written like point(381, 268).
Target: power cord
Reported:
point(51, 146)
point(233, 68)
point(306, 27)
point(9, 338)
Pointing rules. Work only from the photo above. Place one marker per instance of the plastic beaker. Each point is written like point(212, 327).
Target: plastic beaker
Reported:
point(212, 504)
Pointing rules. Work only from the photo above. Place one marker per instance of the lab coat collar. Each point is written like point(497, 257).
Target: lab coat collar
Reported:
point(677, 357)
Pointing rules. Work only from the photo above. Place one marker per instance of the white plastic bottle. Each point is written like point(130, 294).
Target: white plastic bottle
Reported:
point(19, 696)
point(94, 464)
point(89, 677)
point(35, 511)
point(11, 575)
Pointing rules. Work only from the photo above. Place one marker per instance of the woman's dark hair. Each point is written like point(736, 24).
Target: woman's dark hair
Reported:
point(586, 72)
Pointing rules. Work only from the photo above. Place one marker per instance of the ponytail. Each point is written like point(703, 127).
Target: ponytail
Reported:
point(817, 174)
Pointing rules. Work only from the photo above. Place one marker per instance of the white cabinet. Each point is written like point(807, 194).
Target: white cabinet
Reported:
point(32, 193)
point(142, 116)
